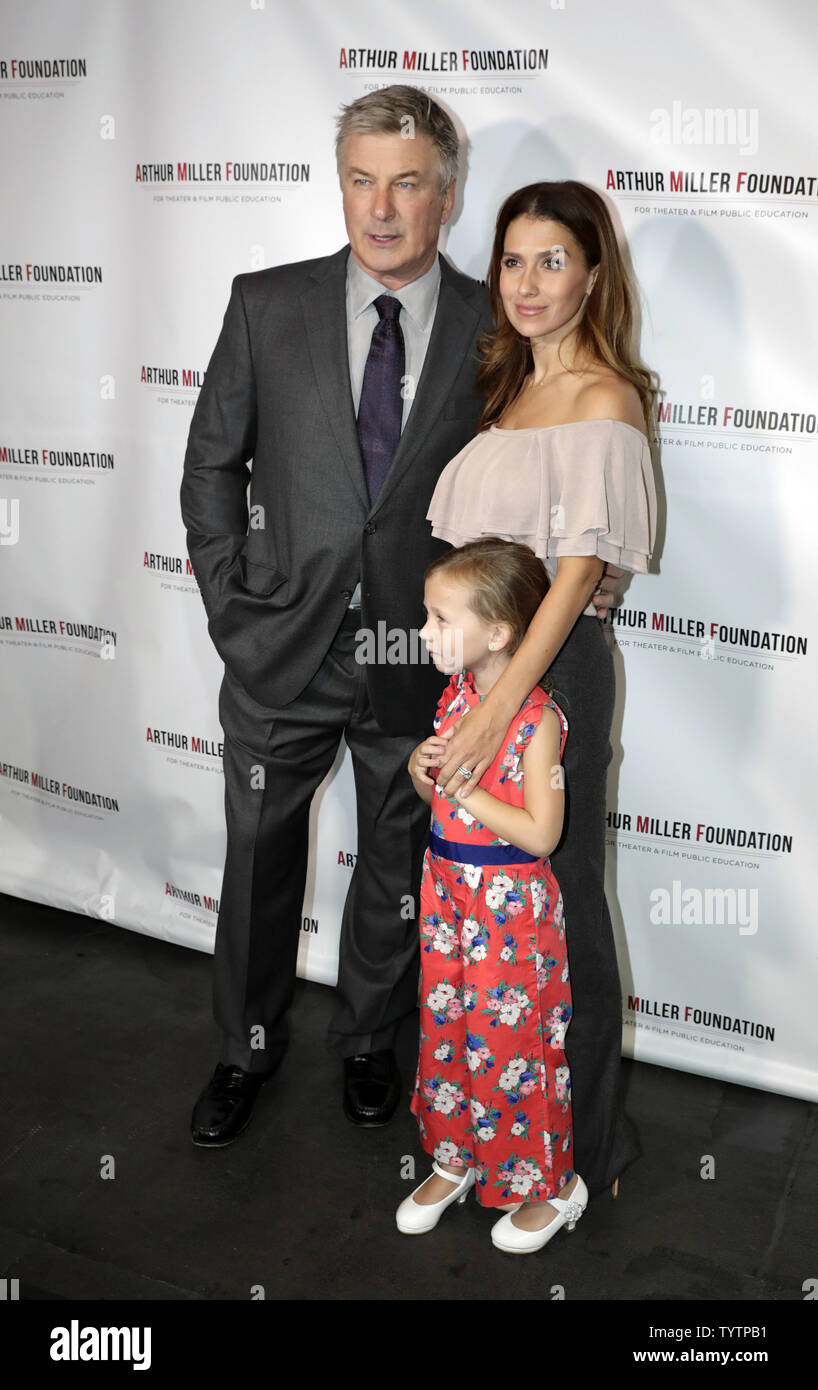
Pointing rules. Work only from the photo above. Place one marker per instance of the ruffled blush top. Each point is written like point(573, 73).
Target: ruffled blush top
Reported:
point(582, 488)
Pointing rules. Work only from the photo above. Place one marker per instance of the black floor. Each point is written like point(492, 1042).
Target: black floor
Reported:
point(107, 1039)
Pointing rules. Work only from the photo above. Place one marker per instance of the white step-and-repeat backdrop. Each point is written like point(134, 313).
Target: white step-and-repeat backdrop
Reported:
point(152, 151)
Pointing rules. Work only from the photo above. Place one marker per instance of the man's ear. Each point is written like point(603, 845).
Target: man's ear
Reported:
point(448, 202)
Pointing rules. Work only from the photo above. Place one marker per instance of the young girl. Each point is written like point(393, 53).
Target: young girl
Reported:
point(492, 1093)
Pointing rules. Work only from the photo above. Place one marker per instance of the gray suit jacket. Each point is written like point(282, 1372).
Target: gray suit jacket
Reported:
point(277, 581)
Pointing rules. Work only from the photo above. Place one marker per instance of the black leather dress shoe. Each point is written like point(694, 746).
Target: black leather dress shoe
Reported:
point(224, 1108)
point(371, 1088)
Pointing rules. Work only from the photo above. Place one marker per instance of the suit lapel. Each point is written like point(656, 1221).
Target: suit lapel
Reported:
point(324, 306)
point(452, 331)
point(325, 315)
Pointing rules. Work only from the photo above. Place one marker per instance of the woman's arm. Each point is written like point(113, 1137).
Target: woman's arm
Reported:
point(479, 734)
point(537, 827)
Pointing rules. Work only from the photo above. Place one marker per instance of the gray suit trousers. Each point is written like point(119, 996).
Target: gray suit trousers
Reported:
point(266, 864)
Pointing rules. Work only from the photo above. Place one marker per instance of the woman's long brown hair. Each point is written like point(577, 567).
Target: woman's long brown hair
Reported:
point(605, 331)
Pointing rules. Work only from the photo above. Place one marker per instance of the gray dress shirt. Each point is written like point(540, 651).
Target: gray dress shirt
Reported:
point(419, 303)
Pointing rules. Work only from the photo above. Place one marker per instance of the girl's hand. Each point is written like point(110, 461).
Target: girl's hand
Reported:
point(476, 740)
point(429, 753)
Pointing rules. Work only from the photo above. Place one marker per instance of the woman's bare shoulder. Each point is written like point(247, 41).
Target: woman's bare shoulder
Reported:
point(607, 396)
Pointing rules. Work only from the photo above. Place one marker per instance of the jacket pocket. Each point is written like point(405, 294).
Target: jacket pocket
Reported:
point(259, 578)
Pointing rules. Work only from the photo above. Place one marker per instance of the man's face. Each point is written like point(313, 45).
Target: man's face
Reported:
point(393, 206)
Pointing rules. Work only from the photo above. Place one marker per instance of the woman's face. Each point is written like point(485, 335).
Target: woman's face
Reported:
point(543, 277)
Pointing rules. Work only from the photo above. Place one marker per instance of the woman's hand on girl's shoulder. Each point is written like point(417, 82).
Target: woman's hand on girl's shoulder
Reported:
point(477, 739)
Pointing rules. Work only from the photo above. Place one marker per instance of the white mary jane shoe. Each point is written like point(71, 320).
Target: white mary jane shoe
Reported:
point(506, 1236)
point(414, 1219)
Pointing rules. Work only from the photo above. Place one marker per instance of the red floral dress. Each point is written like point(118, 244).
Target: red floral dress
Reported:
point(493, 1088)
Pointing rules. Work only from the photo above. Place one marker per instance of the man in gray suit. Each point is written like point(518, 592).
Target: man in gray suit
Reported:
point(349, 382)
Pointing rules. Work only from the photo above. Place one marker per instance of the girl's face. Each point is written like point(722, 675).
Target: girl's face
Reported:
point(543, 277)
point(457, 639)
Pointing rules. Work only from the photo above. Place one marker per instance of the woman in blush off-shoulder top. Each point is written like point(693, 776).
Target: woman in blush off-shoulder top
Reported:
point(563, 464)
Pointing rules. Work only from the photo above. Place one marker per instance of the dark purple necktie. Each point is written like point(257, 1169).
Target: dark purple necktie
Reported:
point(380, 411)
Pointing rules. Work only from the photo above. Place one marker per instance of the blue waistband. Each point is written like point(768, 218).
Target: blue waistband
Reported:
point(479, 854)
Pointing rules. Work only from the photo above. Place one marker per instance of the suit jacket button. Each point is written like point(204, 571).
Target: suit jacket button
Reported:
point(370, 527)
point(346, 593)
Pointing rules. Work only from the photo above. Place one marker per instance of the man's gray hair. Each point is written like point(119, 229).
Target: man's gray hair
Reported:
point(395, 111)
